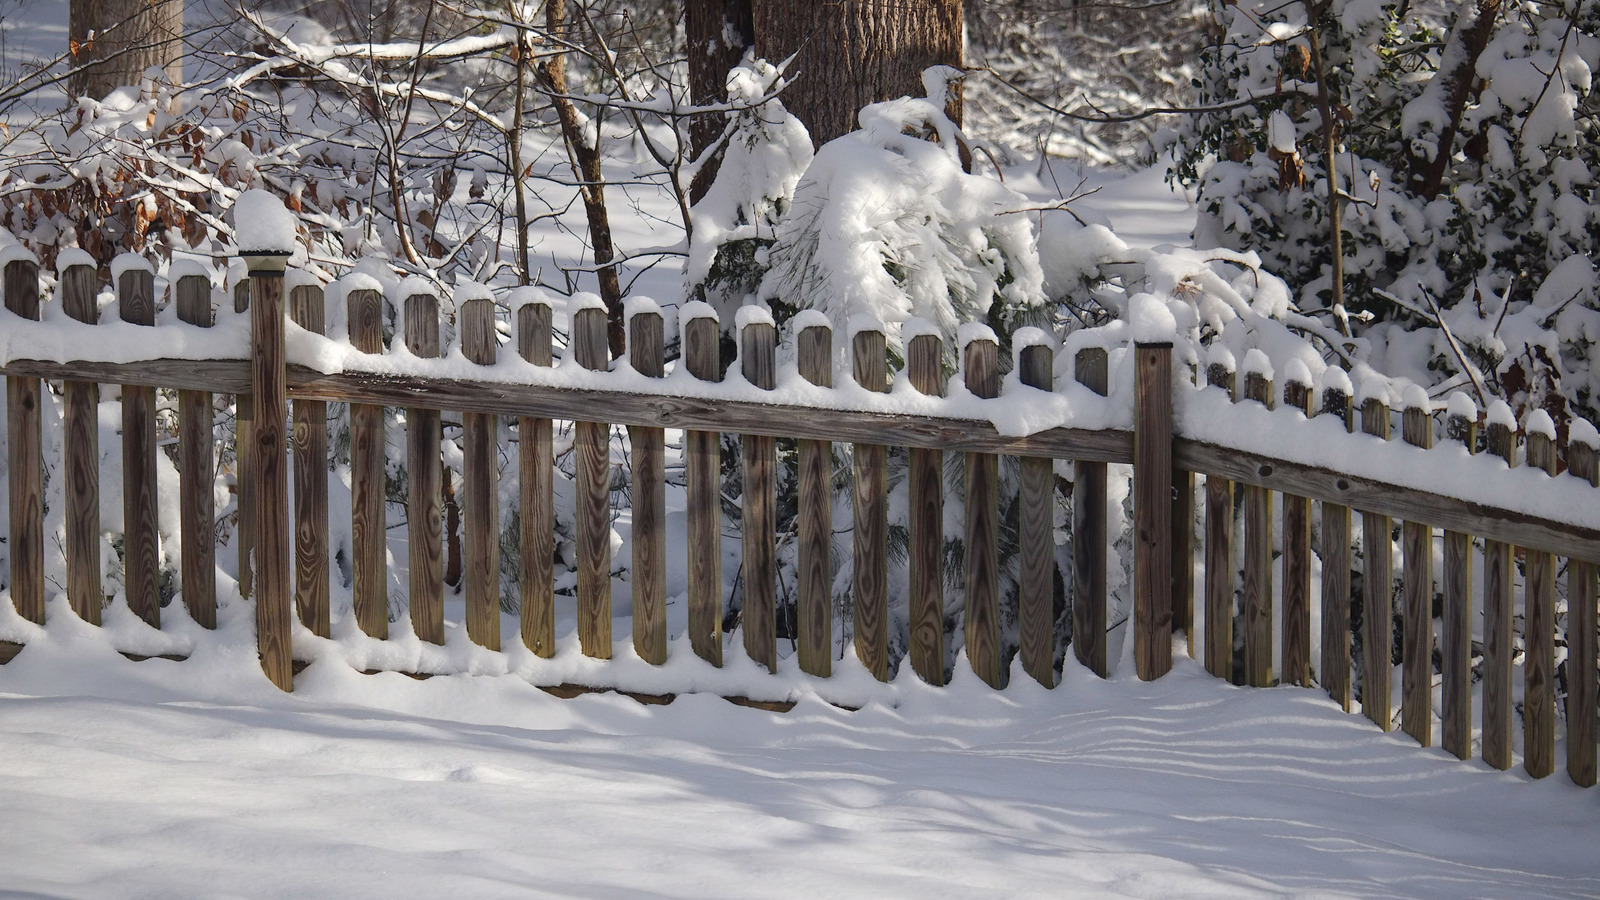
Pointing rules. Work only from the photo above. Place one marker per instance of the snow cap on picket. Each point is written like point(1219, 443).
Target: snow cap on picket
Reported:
point(1500, 414)
point(1460, 405)
point(752, 314)
point(1296, 372)
point(1582, 431)
point(1335, 379)
point(1414, 397)
point(968, 332)
point(176, 272)
point(861, 322)
point(1373, 387)
point(1257, 363)
point(73, 256)
point(694, 309)
point(1220, 355)
point(634, 306)
point(292, 278)
point(1150, 319)
point(1539, 422)
point(11, 253)
point(262, 225)
point(809, 318)
point(470, 290)
point(916, 327)
point(518, 297)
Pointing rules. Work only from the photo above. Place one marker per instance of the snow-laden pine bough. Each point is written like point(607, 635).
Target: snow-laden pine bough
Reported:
point(1114, 395)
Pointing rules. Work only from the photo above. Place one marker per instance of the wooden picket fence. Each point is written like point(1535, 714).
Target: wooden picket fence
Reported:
point(284, 564)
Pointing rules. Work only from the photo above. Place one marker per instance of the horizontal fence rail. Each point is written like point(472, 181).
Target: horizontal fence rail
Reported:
point(1354, 522)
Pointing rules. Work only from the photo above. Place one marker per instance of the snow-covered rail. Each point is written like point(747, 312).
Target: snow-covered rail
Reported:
point(1098, 401)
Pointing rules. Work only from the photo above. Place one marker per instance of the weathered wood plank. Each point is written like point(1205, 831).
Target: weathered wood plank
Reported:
point(536, 510)
point(310, 480)
point(424, 482)
point(136, 304)
point(1296, 628)
point(649, 564)
point(82, 462)
point(1583, 682)
point(1036, 621)
point(982, 370)
point(244, 417)
point(814, 590)
point(1336, 543)
point(1539, 638)
point(870, 536)
point(25, 457)
point(1152, 510)
point(1219, 589)
point(369, 555)
point(758, 503)
point(197, 471)
point(1499, 576)
point(1416, 674)
point(1377, 614)
point(1089, 533)
point(480, 485)
point(592, 489)
point(702, 473)
point(270, 469)
point(925, 486)
point(1258, 560)
point(1455, 645)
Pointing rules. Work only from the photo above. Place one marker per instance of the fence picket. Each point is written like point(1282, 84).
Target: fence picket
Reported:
point(1152, 510)
point(425, 482)
point(1296, 626)
point(1183, 546)
point(702, 483)
point(136, 304)
point(270, 470)
point(1539, 624)
point(870, 578)
point(982, 371)
point(1089, 533)
point(1258, 559)
point(480, 484)
point(25, 456)
point(1036, 537)
point(310, 480)
point(244, 417)
point(1377, 611)
point(1416, 675)
point(1336, 545)
point(925, 487)
point(1498, 585)
point(536, 510)
point(592, 444)
point(649, 575)
point(1583, 684)
point(1219, 547)
point(1455, 645)
point(82, 466)
point(814, 591)
point(759, 505)
point(368, 532)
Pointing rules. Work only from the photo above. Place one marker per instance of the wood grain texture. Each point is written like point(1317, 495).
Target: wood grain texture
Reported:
point(1377, 629)
point(25, 458)
point(1455, 643)
point(310, 419)
point(480, 485)
point(369, 568)
point(592, 490)
point(1583, 682)
point(270, 469)
point(81, 462)
point(244, 416)
point(1183, 555)
point(983, 527)
point(424, 482)
point(197, 472)
point(1336, 543)
point(1295, 636)
point(536, 502)
point(702, 467)
point(1539, 639)
point(1219, 590)
point(758, 504)
point(925, 487)
point(141, 530)
point(1036, 620)
point(1499, 583)
point(814, 520)
point(1089, 533)
point(870, 535)
point(1416, 623)
point(1258, 561)
point(649, 564)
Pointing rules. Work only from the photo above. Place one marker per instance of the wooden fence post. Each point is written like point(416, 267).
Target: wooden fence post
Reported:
point(1296, 627)
point(592, 445)
point(981, 353)
point(25, 455)
point(1416, 674)
point(136, 303)
point(197, 474)
point(244, 419)
point(758, 502)
point(1258, 545)
point(424, 476)
point(925, 486)
point(1152, 509)
point(870, 578)
point(814, 592)
point(649, 575)
point(310, 478)
point(537, 501)
point(1219, 540)
point(1089, 532)
point(702, 482)
point(1336, 545)
point(270, 466)
point(1539, 622)
point(368, 528)
point(1499, 574)
point(82, 463)
point(480, 479)
point(1455, 645)
point(1377, 610)
point(1036, 618)
point(1583, 686)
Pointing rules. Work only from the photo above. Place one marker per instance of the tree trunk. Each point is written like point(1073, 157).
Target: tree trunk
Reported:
point(114, 41)
point(1475, 25)
point(851, 54)
point(719, 32)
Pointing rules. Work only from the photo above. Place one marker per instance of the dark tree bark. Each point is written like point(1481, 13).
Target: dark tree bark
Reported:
point(719, 33)
point(114, 41)
point(1475, 25)
point(850, 54)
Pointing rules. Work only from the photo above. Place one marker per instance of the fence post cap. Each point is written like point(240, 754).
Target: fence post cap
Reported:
point(263, 227)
